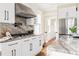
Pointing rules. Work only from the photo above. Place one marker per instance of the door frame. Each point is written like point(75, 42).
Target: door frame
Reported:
point(56, 28)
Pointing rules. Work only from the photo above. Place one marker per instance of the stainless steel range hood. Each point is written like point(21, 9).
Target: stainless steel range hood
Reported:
point(24, 11)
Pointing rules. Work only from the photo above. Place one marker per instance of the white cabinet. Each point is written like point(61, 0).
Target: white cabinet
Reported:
point(10, 48)
point(16, 48)
point(26, 47)
point(36, 45)
point(7, 12)
point(31, 46)
point(42, 40)
point(6, 50)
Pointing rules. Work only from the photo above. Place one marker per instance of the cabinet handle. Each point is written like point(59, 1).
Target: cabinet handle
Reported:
point(39, 42)
point(33, 38)
point(30, 46)
point(12, 44)
point(5, 15)
point(26, 40)
point(0, 53)
point(12, 52)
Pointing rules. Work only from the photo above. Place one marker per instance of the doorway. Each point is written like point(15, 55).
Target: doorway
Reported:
point(50, 29)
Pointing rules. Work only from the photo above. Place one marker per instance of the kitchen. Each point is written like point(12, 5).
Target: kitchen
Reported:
point(27, 28)
point(17, 35)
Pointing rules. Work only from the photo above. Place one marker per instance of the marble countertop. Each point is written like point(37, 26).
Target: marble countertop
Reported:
point(72, 44)
point(19, 38)
point(69, 40)
point(66, 44)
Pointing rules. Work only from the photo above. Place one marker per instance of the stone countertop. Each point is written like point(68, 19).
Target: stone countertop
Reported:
point(19, 38)
point(66, 44)
point(72, 44)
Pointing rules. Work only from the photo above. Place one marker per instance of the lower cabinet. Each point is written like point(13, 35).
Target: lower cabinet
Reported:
point(41, 40)
point(25, 47)
point(31, 46)
point(10, 48)
point(6, 50)
point(36, 45)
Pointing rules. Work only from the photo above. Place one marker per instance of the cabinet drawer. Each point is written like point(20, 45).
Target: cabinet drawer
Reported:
point(26, 47)
point(12, 44)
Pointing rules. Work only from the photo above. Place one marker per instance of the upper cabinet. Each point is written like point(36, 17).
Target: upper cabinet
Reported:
point(7, 13)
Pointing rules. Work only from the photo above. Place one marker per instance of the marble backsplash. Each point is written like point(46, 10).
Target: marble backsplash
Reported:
point(24, 28)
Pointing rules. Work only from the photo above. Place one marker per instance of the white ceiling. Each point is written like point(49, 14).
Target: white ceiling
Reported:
point(47, 7)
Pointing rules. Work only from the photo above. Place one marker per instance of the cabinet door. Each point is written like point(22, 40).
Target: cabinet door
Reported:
point(11, 49)
point(16, 47)
point(10, 11)
point(41, 38)
point(6, 50)
point(26, 47)
point(36, 45)
point(7, 12)
point(2, 12)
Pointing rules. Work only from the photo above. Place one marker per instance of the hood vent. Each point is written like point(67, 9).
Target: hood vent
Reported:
point(24, 11)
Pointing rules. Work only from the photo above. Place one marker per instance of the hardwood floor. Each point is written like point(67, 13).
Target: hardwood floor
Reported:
point(43, 52)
